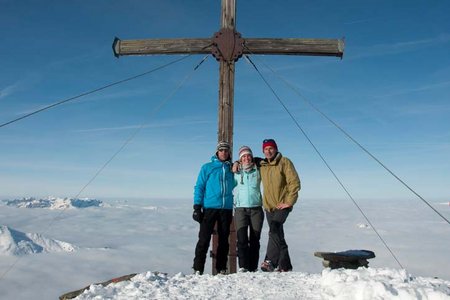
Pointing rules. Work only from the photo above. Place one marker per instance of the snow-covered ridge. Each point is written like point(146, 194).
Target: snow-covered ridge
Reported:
point(361, 284)
point(53, 202)
point(14, 242)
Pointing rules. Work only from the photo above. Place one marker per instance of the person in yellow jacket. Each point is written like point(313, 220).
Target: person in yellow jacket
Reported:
point(281, 186)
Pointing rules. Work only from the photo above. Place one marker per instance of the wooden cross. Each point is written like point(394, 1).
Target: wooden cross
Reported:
point(227, 46)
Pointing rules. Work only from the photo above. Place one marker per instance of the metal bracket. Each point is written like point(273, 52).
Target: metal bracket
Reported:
point(228, 45)
point(116, 46)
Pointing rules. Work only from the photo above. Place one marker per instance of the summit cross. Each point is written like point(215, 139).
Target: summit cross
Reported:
point(227, 46)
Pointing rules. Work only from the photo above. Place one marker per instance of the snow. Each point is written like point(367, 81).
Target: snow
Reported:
point(13, 242)
point(124, 236)
point(53, 203)
point(330, 284)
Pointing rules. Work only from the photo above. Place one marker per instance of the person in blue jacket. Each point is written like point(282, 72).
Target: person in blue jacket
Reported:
point(213, 202)
point(248, 214)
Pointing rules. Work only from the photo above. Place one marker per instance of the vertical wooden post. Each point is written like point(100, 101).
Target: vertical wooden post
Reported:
point(225, 126)
point(226, 80)
point(226, 102)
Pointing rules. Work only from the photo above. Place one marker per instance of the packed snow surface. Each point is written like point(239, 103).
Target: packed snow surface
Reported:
point(363, 284)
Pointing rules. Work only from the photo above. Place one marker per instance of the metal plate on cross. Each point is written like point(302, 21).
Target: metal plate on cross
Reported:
point(228, 45)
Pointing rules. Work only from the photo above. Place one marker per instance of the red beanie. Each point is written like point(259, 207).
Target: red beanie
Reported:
point(269, 142)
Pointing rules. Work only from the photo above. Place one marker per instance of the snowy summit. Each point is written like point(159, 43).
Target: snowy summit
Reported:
point(364, 283)
point(53, 203)
point(14, 242)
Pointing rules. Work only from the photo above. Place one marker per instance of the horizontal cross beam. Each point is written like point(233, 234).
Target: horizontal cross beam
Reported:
point(291, 46)
point(294, 46)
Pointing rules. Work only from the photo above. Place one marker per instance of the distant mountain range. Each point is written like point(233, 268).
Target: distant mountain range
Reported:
point(17, 243)
point(53, 203)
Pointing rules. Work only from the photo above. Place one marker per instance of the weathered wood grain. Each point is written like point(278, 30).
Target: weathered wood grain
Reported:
point(290, 46)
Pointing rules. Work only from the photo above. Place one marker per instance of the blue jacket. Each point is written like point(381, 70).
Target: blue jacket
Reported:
point(215, 183)
point(248, 189)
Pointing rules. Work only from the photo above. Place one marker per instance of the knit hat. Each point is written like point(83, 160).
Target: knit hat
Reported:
point(223, 146)
point(269, 142)
point(245, 150)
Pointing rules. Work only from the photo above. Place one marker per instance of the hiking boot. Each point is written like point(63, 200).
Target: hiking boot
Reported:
point(284, 270)
point(242, 270)
point(197, 272)
point(267, 266)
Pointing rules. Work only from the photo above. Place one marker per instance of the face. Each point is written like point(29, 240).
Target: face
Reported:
point(223, 154)
point(270, 152)
point(246, 159)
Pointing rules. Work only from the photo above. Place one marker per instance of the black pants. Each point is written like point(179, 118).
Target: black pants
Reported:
point(223, 218)
point(249, 223)
point(277, 249)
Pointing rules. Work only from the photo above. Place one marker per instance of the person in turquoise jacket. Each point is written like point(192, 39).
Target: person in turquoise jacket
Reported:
point(248, 215)
point(213, 202)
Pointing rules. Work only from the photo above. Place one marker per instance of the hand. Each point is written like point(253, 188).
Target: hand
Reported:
point(283, 206)
point(197, 215)
point(236, 167)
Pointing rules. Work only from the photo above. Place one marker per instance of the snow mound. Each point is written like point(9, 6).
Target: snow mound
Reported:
point(358, 284)
point(362, 225)
point(53, 203)
point(13, 242)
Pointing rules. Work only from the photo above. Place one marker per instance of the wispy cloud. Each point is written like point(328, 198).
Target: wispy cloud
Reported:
point(400, 47)
point(166, 123)
point(360, 21)
point(44, 165)
point(125, 95)
point(425, 87)
point(5, 92)
point(422, 109)
point(22, 84)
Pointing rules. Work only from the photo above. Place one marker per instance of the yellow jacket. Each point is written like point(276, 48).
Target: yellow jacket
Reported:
point(280, 181)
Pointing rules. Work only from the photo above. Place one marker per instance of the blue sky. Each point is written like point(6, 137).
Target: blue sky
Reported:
point(390, 92)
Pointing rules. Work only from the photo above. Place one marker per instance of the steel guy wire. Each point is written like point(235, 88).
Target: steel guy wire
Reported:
point(94, 91)
point(324, 160)
point(127, 141)
point(295, 89)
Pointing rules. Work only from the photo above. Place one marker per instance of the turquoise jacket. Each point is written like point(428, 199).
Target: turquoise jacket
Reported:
point(248, 188)
point(215, 183)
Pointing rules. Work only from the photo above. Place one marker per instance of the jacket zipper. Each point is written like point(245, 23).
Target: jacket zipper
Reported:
point(223, 186)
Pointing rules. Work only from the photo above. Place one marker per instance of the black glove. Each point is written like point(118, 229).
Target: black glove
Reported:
point(197, 215)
